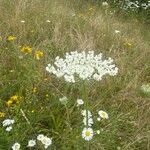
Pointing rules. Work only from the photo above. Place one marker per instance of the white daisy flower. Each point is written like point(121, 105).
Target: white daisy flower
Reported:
point(16, 146)
point(31, 143)
point(103, 114)
point(8, 129)
point(80, 102)
point(87, 134)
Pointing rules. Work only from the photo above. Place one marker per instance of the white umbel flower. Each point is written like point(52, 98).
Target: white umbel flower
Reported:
point(103, 114)
point(87, 134)
point(80, 102)
point(16, 146)
point(31, 143)
point(82, 65)
point(7, 122)
point(8, 129)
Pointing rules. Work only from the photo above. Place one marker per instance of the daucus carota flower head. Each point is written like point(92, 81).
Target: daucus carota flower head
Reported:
point(87, 134)
point(84, 65)
point(16, 146)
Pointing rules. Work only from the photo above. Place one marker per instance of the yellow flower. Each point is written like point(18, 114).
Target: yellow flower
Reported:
point(38, 54)
point(11, 38)
point(26, 49)
point(9, 103)
point(2, 114)
point(13, 100)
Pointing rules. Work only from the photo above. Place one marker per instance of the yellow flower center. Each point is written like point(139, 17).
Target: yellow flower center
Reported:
point(104, 114)
point(87, 133)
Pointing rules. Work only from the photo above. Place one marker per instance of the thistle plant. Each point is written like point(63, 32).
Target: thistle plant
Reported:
point(83, 67)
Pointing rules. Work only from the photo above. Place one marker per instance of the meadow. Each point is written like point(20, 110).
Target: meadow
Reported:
point(41, 109)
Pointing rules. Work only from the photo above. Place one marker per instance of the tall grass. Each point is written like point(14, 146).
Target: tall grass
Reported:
point(72, 25)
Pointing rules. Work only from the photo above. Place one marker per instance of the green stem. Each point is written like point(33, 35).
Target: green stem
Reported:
point(85, 96)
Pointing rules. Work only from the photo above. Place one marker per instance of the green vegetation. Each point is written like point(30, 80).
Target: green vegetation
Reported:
point(32, 34)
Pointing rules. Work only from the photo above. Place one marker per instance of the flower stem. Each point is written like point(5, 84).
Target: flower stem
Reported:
point(85, 96)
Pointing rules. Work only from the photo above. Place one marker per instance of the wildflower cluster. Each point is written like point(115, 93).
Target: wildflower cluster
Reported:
point(8, 124)
point(28, 50)
point(13, 100)
point(45, 140)
point(32, 143)
point(87, 132)
point(83, 65)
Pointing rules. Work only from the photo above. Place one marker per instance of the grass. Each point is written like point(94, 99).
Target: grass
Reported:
point(74, 25)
